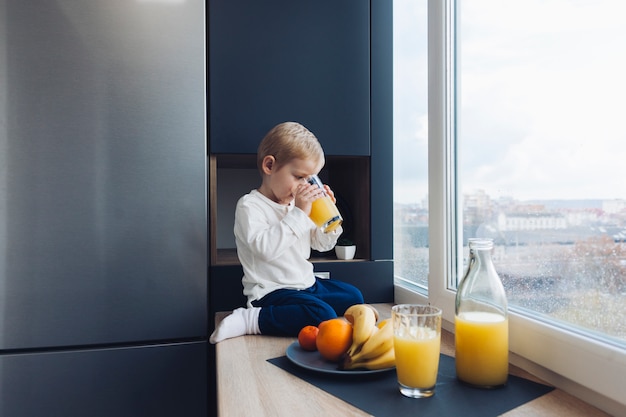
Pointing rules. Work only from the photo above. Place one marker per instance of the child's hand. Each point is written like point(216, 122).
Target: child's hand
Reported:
point(330, 193)
point(305, 195)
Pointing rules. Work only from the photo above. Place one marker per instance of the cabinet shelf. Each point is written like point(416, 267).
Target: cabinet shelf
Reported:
point(229, 257)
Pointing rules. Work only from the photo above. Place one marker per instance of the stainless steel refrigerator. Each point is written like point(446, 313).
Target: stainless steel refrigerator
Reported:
point(103, 235)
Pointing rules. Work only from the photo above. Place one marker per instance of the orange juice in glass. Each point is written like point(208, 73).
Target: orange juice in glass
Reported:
point(482, 348)
point(417, 343)
point(324, 212)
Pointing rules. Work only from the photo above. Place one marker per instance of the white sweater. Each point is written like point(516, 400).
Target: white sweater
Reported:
point(274, 244)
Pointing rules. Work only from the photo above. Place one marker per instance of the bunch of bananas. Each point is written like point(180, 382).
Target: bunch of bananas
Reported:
point(372, 347)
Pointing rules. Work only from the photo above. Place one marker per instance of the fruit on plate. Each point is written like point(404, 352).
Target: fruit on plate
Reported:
point(307, 338)
point(363, 318)
point(334, 338)
point(374, 349)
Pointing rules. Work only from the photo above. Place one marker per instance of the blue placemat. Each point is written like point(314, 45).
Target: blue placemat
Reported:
point(378, 394)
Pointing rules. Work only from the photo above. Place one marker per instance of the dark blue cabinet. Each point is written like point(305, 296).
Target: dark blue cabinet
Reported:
point(123, 381)
point(283, 60)
point(328, 65)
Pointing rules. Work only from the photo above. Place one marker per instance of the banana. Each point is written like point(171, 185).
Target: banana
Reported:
point(386, 360)
point(350, 312)
point(383, 361)
point(380, 341)
point(381, 323)
point(363, 318)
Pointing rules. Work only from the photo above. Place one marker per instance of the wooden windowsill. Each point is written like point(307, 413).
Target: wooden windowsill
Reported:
point(249, 385)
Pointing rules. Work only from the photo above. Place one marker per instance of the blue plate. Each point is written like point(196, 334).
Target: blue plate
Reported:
point(314, 362)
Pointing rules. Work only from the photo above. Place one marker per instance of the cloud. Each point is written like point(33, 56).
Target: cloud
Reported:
point(541, 103)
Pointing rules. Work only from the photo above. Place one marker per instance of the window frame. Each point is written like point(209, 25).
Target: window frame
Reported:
point(587, 368)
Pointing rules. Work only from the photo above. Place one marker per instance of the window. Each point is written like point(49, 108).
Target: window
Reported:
point(526, 146)
point(410, 143)
point(541, 149)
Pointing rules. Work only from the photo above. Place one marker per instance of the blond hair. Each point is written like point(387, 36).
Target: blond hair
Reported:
point(288, 141)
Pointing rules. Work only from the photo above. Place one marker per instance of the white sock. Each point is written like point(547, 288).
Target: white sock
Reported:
point(241, 321)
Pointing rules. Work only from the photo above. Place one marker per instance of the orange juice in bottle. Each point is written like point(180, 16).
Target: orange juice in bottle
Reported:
point(481, 321)
point(482, 346)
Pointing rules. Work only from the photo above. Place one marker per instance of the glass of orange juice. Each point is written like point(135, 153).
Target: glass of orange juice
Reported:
point(417, 343)
point(324, 212)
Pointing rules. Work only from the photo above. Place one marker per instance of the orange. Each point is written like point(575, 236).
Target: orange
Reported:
point(307, 336)
point(334, 338)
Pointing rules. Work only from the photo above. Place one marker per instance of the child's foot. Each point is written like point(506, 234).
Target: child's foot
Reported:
point(242, 321)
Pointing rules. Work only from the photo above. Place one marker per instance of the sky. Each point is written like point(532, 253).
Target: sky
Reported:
point(542, 99)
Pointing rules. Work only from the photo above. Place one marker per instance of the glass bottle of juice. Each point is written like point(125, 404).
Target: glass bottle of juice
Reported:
point(481, 321)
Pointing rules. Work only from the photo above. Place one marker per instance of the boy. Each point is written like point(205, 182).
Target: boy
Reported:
point(274, 237)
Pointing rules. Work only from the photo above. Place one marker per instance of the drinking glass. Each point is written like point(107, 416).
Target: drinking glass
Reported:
point(417, 343)
point(324, 212)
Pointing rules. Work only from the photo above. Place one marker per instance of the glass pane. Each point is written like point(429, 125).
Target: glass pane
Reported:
point(542, 152)
point(410, 125)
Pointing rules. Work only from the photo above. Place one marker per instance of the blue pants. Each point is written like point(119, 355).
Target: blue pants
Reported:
point(284, 312)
